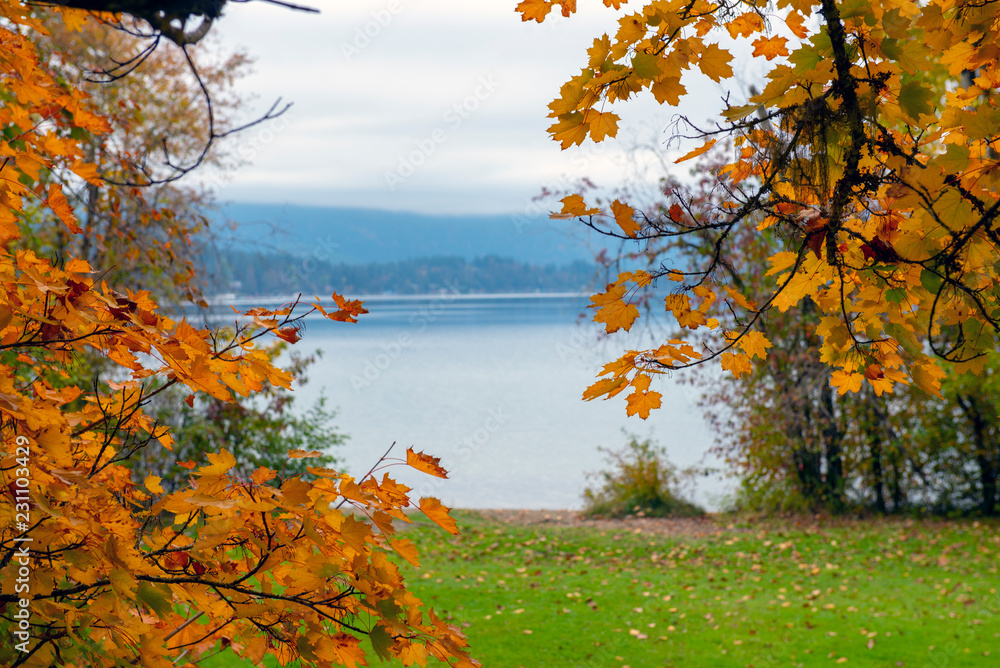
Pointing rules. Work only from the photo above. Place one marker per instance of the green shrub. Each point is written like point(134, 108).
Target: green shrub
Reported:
point(641, 481)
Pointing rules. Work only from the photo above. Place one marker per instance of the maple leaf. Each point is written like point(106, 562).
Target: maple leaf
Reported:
point(613, 311)
point(534, 10)
point(696, 152)
point(58, 203)
point(603, 125)
point(846, 381)
point(754, 344)
point(425, 463)
point(438, 514)
point(770, 47)
point(290, 334)
point(624, 217)
point(714, 62)
point(736, 363)
point(642, 400)
point(573, 205)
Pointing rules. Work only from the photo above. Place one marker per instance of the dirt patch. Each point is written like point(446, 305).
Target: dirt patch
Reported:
point(694, 527)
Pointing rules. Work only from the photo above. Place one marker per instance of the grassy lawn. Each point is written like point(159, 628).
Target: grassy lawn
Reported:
point(868, 594)
point(900, 593)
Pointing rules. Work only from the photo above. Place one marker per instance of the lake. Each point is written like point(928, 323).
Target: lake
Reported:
point(492, 385)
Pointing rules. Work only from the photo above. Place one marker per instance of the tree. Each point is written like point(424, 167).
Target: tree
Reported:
point(102, 571)
point(872, 156)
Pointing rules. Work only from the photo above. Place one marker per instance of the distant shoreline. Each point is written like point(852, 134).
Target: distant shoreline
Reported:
point(234, 300)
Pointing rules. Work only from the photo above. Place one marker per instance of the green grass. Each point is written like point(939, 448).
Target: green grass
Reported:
point(880, 594)
point(913, 594)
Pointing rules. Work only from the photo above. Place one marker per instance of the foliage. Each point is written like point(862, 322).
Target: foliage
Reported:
point(641, 481)
point(110, 572)
point(259, 430)
point(871, 155)
point(772, 593)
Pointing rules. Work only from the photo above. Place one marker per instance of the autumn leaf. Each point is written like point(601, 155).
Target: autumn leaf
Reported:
point(737, 364)
point(624, 217)
point(754, 344)
point(573, 205)
point(290, 334)
point(602, 125)
point(714, 62)
point(846, 381)
point(613, 310)
point(696, 152)
point(425, 463)
point(438, 514)
point(770, 47)
point(60, 206)
point(642, 400)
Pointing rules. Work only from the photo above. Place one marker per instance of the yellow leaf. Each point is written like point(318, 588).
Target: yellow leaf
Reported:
point(573, 205)
point(152, 483)
point(736, 363)
point(220, 463)
point(714, 62)
point(846, 381)
point(927, 376)
point(623, 214)
point(603, 124)
point(741, 300)
point(608, 386)
point(614, 312)
point(642, 401)
point(754, 344)
point(745, 25)
point(438, 514)
point(698, 151)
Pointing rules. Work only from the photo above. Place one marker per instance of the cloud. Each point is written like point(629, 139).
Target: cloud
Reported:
point(374, 80)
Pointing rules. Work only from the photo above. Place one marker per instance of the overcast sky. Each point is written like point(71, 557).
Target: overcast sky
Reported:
point(437, 106)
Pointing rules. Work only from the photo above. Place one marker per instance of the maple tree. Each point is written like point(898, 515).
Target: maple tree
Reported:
point(109, 570)
point(872, 155)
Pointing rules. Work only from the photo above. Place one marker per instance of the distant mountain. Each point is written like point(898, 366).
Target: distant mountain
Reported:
point(359, 236)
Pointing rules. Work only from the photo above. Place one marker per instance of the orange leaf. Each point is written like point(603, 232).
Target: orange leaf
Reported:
point(736, 363)
point(698, 151)
point(573, 205)
point(301, 454)
point(642, 401)
point(604, 124)
point(290, 334)
point(58, 203)
point(754, 344)
point(623, 216)
point(846, 382)
point(438, 514)
point(794, 23)
point(406, 549)
point(534, 10)
point(770, 47)
point(614, 312)
point(426, 463)
point(745, 25)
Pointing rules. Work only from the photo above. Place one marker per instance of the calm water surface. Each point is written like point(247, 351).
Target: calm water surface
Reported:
point(492, 386)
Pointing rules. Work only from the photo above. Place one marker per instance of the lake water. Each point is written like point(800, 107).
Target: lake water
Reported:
point(492, 386)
